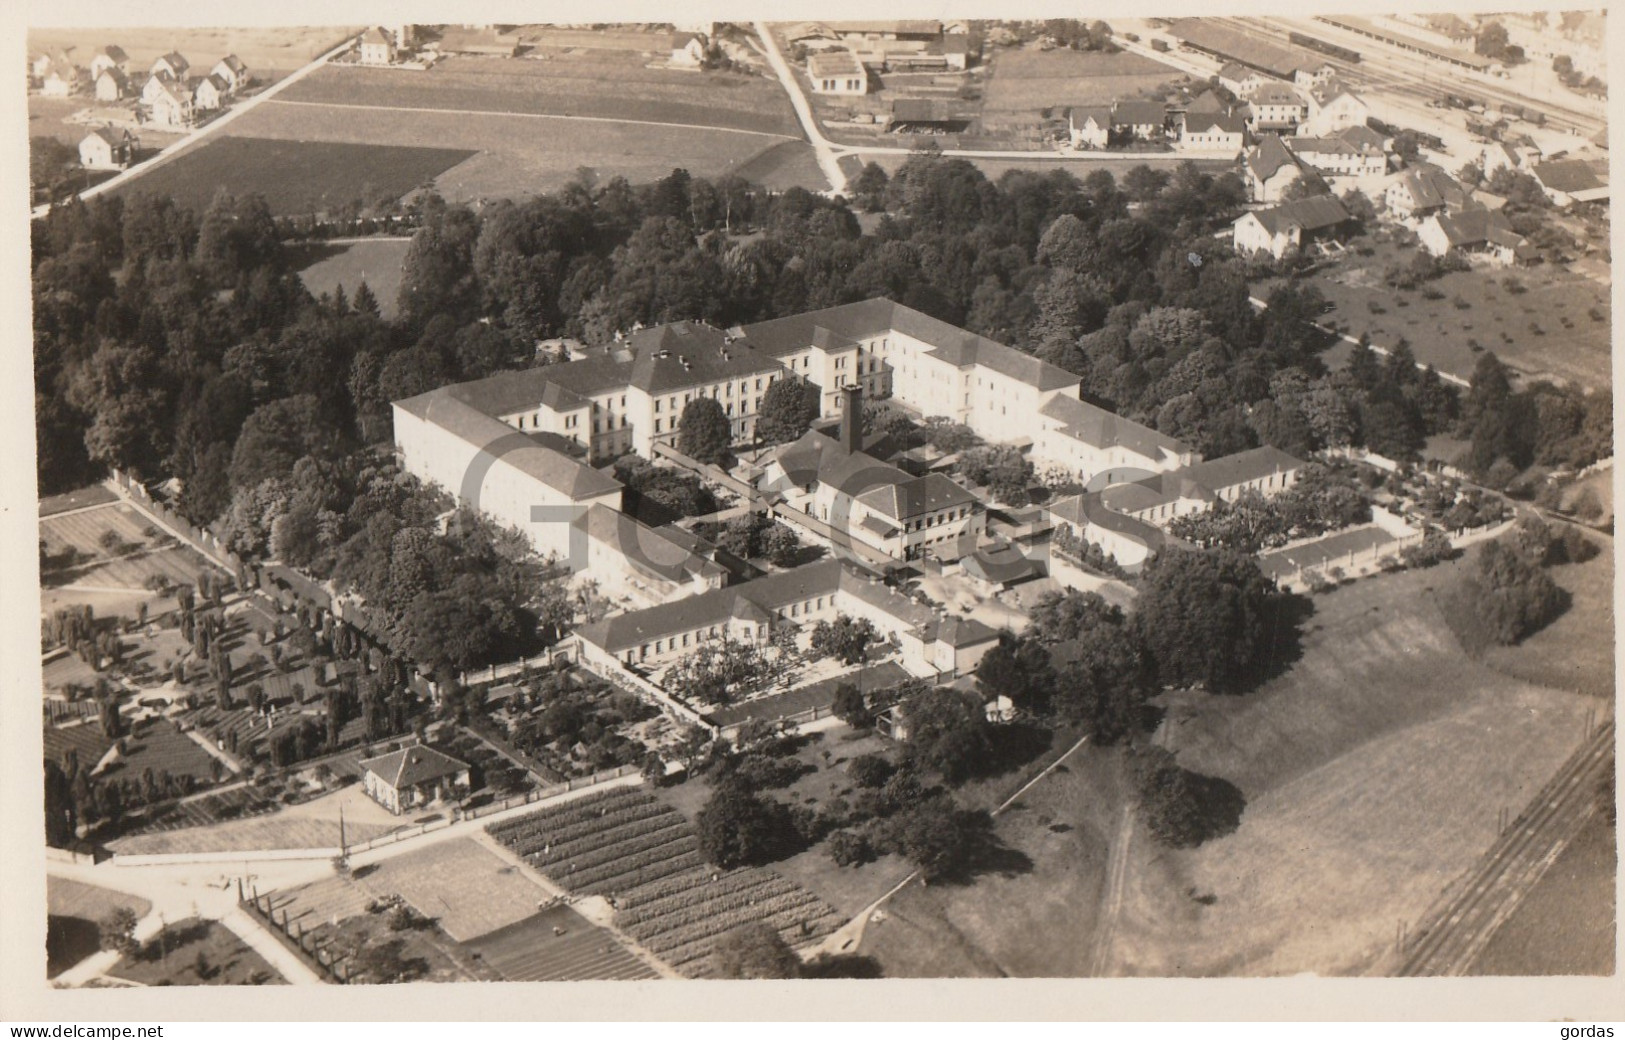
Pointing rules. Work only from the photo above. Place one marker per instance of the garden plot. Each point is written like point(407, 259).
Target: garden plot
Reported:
point(468, 889)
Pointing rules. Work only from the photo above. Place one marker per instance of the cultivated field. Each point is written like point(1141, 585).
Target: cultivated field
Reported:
point(161, 747)
point(324, 267)
point(628, 845)
point(86, 739)
point(297, 177)
point(1022, 83)
point(558, 945)
point(516, 156)
point(269, 52)
point(284, 830)
point(1540, 323)
point(564, 86)
point(112, 582)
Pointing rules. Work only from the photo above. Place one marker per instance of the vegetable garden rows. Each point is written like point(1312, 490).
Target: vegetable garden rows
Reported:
point(627, 844)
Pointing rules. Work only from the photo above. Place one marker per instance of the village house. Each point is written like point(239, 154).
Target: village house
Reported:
point(1498, 156)
point(1313, 73)
point(1240, 80)
point(62, 78)
point(112, 84)
point(232, 72)
point(687, 49)
point(168, 102)
point(1567, 181)
point(1138, 120)
point(1089, 126)
point(43, 61)
point(377, 47)
point(1290, 227)
point(1271, 167)
point(838, 73)
point(1214, 131)
point(106, 149)
point(1356, 152)
point(1333, 107)
point(1481, 233)
point(110, 57)
point(1421, 190)
point(414, 778)
point(173, 65)
point(210, 93)
point(1276, 107)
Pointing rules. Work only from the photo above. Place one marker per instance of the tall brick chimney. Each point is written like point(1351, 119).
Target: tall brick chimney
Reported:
point(852, 418)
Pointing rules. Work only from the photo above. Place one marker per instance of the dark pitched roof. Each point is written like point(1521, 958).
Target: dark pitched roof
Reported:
point(116, 138)
point(1231, 470)
point(1203, 122)
point(916, 497)
point(1470, 227)
point(234, 63)
point(1269, 156)
point(1081, 114)
point(925, 110)
point(1139, 113)
point(834, 63)
point(1091, 509)
point(553, 468)
point(1431, 186)
point(686, 354)
point(1310, 214)
point(1275, 94)
point(176, 61)
point(999, 564)
point(651, 550)
point(117, 75)
point(411, 766)
point(1566, 175)
point(1100, 428)
point(115, 52)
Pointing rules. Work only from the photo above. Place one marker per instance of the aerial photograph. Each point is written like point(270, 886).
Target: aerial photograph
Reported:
point(912, 499)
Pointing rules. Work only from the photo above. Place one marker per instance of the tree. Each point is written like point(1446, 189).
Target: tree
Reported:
point(850, 706)
point(1210, 617)
point(1068, 613)
point(1492, 40)
point(116, 931)
point(1181, 808)
point(846, 638)
point(736, 827)
point(939, 837)
point(1511, 596)
point(1017, 668)
point(705, 432)
point(947, 731)
point(1106, 683)
point(786, 410)
point(780, 545)
point(754, 951)
point(870, 770)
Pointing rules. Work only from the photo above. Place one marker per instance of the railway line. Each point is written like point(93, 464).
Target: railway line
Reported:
point(1458, 927)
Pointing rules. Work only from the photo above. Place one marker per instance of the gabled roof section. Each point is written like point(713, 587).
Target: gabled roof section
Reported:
point(1311, 214)
point(1269, 156)
point(1244, 466)
point(1099, 428)
point(686, 354)
point(917, 497)
point(834, 63)
point(1431, 186)
point(1139, 113)
point(411, 766)
point(1566, 175)
point(1208, 122)
point(644, 548)
point(1272, 93)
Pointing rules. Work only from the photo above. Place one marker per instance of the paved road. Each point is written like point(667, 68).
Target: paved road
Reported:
point(825, 151)
point(208, 129)
point(1460, 925)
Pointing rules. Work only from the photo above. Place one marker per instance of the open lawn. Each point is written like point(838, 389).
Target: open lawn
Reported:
point(1374, 771)
point(1476, 307)
point(814, 695)
point(158, 745)
point(297, 177)
point(197, 952)
point(295, 828)
point(1022, 83)
point(48, 117)
point(112, 581)
point(1576, 651)
point(324, 267)
point(90, 495)
point(72, 910)
point(270, 52)
point(1565, 926)
point(558, 945)
point(468, 889)
point(566, 86)
point(515, 156)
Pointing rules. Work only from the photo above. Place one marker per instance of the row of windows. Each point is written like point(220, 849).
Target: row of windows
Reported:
point(939, 518)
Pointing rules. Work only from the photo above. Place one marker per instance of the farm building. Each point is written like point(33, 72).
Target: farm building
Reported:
point(1290, 227)
point(482, 40)
point(112, 84)
point(110, 57)
point(106, 149)
point(232, 71)
point(837, 72)
point(1567, 181)
point(413, 777)
point(1089, 126)
point(377, 47)
point(1475, 232)
point(172, 64)
point(1422, 190)
point(1271, 166)
point(926, 115)
point(687, 49)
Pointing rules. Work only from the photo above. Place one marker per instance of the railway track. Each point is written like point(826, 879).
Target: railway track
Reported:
point(1461, 923)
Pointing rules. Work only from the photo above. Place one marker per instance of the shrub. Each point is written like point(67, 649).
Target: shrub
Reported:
point(850, 849)
point(870, 771)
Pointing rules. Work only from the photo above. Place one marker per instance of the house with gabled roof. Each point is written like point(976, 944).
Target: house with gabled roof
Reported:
point(1290, 227)
point(110, 57)
point(377, 47)
point(1271, 166)
point(1139, 120)
point(414, 777)
point(112, 84)
point(1342, 154)
point(210, 93)
point(173, 64)
point(1213, 131)
point(1276, 107)
point(1477, 232)
point(232, 72)
point(687, 49)
point(1089, 126)
point(1421, 190)
point(62, 78)
point(43, 61)
point(1240, 80)
point(106, 149)
point(1567, 181)
point(838, 73)
point(168, 101)
point(1332, 107)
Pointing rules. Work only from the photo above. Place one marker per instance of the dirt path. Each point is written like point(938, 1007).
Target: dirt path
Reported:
point(1111, 900)
point(533, 115)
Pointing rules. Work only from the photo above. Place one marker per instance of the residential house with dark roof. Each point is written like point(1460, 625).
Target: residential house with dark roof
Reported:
point(1240, 80)
point(1138, 120)
point(1333, 107)
point(1276, 107)
point(210, 93)
point(106, 149)
point(61, 78)
point(1342, 155)
point(1291, 226)
point(377, 47)
point(1089, 126)
point(1421, 190)
point(1567, 181)
point(173, 65)
point(1476, 232)
point(110, 57)
point(1271, 167)
point(1213, 131)
point(112, 84)
point(232, 72)
point(414, 777)
point(168, 102)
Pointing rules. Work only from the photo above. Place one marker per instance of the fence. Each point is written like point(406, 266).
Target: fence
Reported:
point(619, 675)
point(203, 541)
point(303, 943)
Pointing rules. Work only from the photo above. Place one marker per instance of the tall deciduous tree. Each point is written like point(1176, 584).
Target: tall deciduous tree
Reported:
point(786, 410)
point(705, 432)
point(1210, 617)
